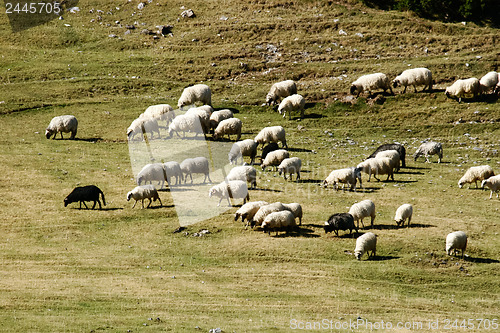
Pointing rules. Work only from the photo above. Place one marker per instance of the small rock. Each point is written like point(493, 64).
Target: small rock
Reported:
point(141, 6)
point(188, 13)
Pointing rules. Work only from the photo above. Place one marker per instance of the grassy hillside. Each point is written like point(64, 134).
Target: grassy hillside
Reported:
point(121, 269)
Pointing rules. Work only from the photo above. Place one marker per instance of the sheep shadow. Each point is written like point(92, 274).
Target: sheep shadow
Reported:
point(96, 208)
point(313, 116)
point(92, 140)
point(481, 260)
point(395, 226)
point(160, 207)
point(297, 232)
point(382, 258)
point(310, 181)
point(267, 190)
point(299, 150)
point(233, 110)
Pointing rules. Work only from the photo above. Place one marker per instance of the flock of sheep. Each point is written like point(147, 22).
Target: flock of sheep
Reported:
point(204, 120)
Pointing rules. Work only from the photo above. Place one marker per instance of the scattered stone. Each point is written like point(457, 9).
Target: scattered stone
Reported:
point(179, 230)
point(141, 6)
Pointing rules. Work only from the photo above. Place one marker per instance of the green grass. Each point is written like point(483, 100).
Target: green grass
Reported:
point(122, 269)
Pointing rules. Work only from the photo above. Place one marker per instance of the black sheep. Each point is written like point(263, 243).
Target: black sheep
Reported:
point(85, 193)
point(392, 146)
point(267, 149)
point(340, 221)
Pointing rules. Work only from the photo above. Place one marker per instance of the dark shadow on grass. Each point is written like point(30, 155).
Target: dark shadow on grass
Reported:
point(313, 116)
point(296, 232)
point(233, 110)
point(382, 258)
point(160, 207)
point(482, 260)
point(93, 140)
point(267, 190)
point(415, 168)
point(310, 181)
point(97, 209)
point(300, 150)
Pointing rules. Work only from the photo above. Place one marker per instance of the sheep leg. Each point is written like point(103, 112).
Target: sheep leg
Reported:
point(298, 176)
point(415, 87)
point(376, 178)
point(161, 205)
point(409, 220)
point(134, 204)
point(142, 203)
point(61, 136)
point(83, 204)
point(361, 223)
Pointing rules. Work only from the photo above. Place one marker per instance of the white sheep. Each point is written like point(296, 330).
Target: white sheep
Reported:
point(377, 166)
point(345, 176)
point(197, 93)
point(203, 115)
point(144, 192)
point(231, 126)
point(143, 126)
point(152, 172)
point(245, 173)
point(393, 155)
point(414, 77)
point(271, 134)
point(362, 209)
point(159, 112)
point(173, 169)
point(456, 241)
point(195, 165)
point(371, 82)
point(248, 211)
point(278, 221)
point(493, 183)
point(217, 116)
point(365, 243)
point(290, 165)
point(239, 149)
point(234, 189)
point(280, 90)
point(185, 123)
point(292, 103)
point(274, 158)
point(489, 81)
point(403, 212)
point(296, 209)
point(461, 88)
point(473, 174)
point(60, 124)
point(265, 210)
point(429, 148)
point(207, 108)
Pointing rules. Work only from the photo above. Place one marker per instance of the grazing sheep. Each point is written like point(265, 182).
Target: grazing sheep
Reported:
point(378, 166)
point(143, 126)
point(456, 241)
point(197, 93)
point(195, 165)
point(217, 116)
point(274, 158)
point(365, 243)
point(159, 112)
point(234, 189)
point(204, 117)
point(85, 193)
point(489, 81)
point(265, 210)
point(292, 103)
point(239, 149)
point(228, 127)
point(493, 183)
point(152, 172)
point(461, 88)
point(345, 176)
point(173, 169)
point(290, 165)
point(362, 209)
point(429, 148)
point(403, 212)
point(392, 146)
point(370, 82)
point(62, 124)
point(245, 173)
point(186, 123)
point(248, 211)
point(296, 210)
point(207, 108)
point(340, 221)
point(144, 192)
point(267, 149)
point(473, 174)
point(280, 90)
point(283, 220)
point(271, 134)
point(414, 77)
point(393, 155)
